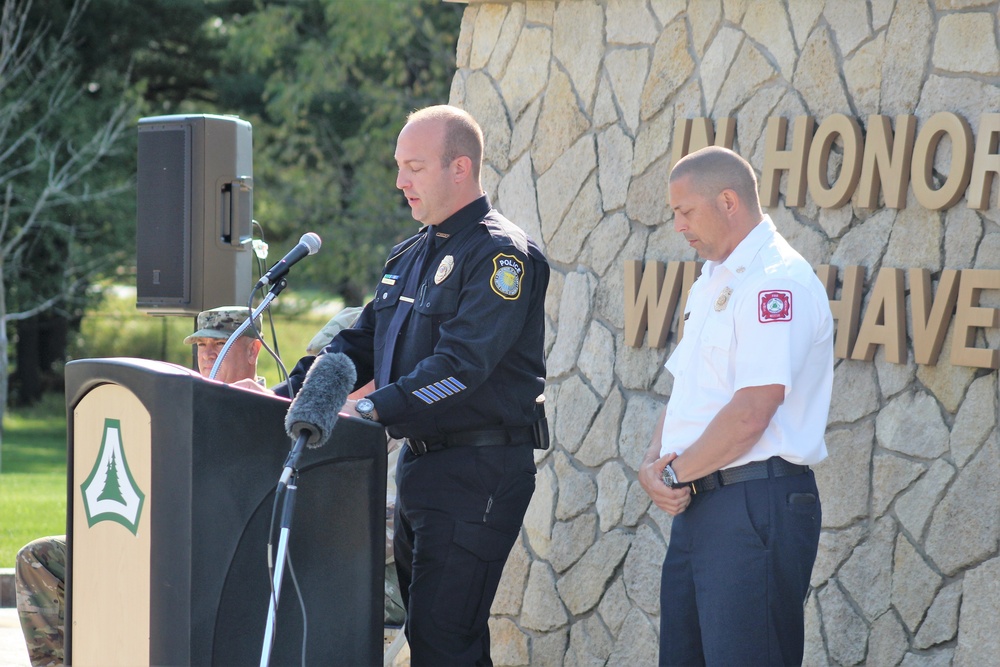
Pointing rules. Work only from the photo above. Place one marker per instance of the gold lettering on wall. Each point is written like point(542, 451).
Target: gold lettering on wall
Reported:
point(885, 320)
point(793, 160)
point(922, 169)
point(847, 309)
point(886, 162)
point(849, 132)
point(653, 295)
point(881, 160)
point(930, 322)
point(971, 316)
point(986, 162)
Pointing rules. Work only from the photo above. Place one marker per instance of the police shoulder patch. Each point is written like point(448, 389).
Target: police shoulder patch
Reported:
point(507, 273)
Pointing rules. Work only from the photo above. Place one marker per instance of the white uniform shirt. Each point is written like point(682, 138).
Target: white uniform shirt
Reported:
point(761, 317)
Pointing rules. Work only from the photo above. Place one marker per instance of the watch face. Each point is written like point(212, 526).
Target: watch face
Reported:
point(364, 405)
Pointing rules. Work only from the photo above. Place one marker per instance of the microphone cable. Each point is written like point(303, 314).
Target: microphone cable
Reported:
point(260, 254)
point(278, 493)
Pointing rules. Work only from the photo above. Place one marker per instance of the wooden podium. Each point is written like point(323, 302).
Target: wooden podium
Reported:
point(171, 487)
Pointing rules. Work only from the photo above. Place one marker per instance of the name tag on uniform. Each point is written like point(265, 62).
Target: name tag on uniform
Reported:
point(389, 279)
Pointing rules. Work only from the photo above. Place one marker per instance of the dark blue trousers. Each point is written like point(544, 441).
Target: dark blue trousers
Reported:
point(458, 513)
point(737, 573)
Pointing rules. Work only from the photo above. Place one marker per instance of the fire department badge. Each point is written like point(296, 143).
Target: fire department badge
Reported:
point(507, 272)
point(444, 269)
point(775, 306)
point(720, 303)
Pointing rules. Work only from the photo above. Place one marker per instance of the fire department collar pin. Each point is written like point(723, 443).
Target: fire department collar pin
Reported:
point(720, 303)
point(444, 269)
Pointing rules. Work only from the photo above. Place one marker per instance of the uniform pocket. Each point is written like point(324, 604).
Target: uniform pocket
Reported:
point(435, 304)
point(716, 342)
point(384, 305)
point(474, 565)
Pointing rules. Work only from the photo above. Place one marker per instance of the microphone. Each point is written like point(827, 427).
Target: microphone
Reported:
point(313, 413)
point(308, 245)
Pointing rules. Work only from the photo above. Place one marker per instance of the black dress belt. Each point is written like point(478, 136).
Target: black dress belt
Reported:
point(497, 437)
point(773, 467)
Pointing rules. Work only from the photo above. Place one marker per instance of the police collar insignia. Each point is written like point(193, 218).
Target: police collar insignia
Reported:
point(507, 272)
point(720, 303)
point(444, 269)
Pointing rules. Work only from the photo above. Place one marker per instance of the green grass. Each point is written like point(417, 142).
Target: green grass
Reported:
point(33, 476)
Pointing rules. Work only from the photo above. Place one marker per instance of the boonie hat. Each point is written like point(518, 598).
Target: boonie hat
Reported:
point(221, 322)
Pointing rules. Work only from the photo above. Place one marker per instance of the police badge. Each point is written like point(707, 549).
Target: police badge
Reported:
point(444, 269)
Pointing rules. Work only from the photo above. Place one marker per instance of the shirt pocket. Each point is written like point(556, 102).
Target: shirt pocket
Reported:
point(384, 305)
point(435, 304)
point(715, 345)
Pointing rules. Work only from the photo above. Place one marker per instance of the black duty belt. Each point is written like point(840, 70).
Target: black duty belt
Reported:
point(773, 467)
point(497, 437)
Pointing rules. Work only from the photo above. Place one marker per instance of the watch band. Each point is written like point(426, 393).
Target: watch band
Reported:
point(670, 477)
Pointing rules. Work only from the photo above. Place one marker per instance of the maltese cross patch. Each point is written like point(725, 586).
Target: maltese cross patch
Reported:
point(775, 306)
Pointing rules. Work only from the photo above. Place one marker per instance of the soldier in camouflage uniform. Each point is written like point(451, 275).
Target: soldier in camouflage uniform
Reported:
point(215, 326)
point(39, 576)
point(40, 567)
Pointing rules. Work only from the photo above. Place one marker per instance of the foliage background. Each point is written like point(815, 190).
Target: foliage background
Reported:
point(326, 85)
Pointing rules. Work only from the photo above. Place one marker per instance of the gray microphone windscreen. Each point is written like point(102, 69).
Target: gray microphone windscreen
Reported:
point(327, 384)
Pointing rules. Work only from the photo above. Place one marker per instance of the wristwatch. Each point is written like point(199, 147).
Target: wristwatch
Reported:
point(365, 407)
point(670, 478)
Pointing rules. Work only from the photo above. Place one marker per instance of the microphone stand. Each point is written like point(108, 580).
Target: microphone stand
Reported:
point(288, 507)
point(272, 294)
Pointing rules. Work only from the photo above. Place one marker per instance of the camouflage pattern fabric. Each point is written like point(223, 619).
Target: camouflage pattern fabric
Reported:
point(39, 578)
point(394, 612)
point(343, 320)
point(221, 323)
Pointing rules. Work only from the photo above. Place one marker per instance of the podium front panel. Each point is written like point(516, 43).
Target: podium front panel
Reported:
point(212, 455)
point(111, 472)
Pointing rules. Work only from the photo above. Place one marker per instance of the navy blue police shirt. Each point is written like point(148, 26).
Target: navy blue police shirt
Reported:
point(470, 355)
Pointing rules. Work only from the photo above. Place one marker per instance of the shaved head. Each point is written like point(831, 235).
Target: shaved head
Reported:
point(715, 169)
point(462, 134)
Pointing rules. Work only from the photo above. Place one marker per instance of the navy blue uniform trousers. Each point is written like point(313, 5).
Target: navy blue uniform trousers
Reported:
point(737, 572)
point(458, 513)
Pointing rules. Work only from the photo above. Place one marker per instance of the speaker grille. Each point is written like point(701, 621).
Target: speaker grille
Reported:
point(163, 234)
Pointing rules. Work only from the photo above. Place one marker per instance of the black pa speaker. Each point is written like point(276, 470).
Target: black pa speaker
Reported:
point(194, 213)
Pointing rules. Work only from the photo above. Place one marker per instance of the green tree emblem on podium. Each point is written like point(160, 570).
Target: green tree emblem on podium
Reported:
point(112, 488)
point(110, 493)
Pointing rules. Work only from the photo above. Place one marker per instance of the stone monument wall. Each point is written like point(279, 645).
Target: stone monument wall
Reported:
point(581, 102)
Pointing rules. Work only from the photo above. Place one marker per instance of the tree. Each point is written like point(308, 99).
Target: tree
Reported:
point(48, 169)
point(327, 85)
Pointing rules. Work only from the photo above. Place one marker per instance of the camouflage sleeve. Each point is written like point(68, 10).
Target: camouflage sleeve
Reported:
point(40, 576)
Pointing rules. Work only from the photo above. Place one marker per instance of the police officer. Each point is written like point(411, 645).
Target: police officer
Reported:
point(454, 340)
point(730, 456)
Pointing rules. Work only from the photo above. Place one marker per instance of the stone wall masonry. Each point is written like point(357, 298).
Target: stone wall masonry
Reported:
point(578, 100)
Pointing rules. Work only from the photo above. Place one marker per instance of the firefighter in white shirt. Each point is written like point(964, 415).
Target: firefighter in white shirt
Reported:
point(747, 414)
